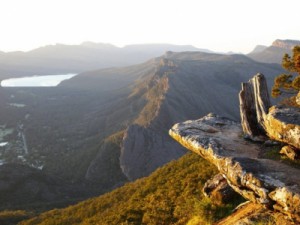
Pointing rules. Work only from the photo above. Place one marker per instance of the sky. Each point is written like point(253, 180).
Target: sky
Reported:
point(223, 26)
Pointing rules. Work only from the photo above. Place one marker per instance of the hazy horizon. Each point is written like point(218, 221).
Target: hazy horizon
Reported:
point(219, 26)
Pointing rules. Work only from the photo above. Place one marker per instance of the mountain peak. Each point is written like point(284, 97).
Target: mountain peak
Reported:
point(286, 44)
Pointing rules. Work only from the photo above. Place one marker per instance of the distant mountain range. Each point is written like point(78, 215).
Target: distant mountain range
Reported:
point(59, 58)
point(273, 53)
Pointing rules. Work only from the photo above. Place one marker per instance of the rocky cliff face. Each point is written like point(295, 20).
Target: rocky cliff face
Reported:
point(286, 44)
point(143, 150)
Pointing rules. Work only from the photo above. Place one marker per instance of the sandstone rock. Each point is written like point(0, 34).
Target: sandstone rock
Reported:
point(283, 124)
point(218, 190)
point(262, 181)
point(254, 104)
point(290, 152)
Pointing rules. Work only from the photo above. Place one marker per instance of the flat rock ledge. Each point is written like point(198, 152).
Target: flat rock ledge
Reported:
point(264, 181)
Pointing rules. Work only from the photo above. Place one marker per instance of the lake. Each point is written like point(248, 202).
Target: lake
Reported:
point(36, 81)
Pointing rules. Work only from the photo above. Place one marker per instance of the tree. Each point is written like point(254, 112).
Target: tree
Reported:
point(288, 82)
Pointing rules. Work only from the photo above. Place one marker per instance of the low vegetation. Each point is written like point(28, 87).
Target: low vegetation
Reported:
point(171, 195)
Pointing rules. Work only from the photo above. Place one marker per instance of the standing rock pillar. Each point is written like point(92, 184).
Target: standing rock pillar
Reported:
point(254, 105)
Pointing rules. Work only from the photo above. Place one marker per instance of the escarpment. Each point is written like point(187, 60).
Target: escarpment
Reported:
point(263, 181)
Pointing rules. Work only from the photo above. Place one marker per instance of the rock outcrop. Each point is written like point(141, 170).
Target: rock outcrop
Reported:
point(263, 181)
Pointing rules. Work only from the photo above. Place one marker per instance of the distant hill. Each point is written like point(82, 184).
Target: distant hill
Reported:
point(60, 58)
point(275, 52)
